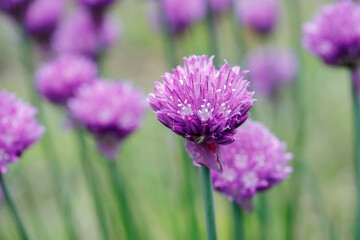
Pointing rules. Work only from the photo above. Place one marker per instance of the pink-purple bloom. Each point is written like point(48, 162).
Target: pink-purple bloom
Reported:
point(42, 18)
point(97, 7)
point(203, 104)
point(109, 110)
point(334, 34)
point(15, 8)
point(81, 34)
point(271, 68)
point(219, 6)
point(256, 161)
point(182, 14)
point(59, 79)
point(259, 15)
point(19, 128)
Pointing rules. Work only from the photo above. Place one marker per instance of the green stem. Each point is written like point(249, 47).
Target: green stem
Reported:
point(214, 49)
point(47, 143)
point(168, 37)
point(238, 34)
point(263, 215)
point(292, 204)
point(239, 233)
point(119, 185)
point(189, 195)
point(356, 104)
point(207, 190)
point(92, 183)
point(13, 209)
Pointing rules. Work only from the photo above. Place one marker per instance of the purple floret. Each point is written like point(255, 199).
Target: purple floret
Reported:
point(259, 15)
point(334, 34)
point(42, 18)
point(255, 162)
point(271, 68)
point(19, 128)
point(182, 14)
point(109, 110)
point(82, 35)
point(15, 8)
point(59, 79)
point(202, 104)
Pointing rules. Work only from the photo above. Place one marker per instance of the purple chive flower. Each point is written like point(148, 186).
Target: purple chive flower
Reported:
point(182, 14)
point(334, 34)
point(204, 105)
point(256, 161)
point(109, 110)
point(97, 7)
point(59, 79)
point(271, 67)
point(42, 18)
point(260, 15)
point(219, 6)
point(94, 38)
point(19, 128)
point(15, 8)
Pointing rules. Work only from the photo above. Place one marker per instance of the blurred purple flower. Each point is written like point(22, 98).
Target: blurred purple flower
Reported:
point(182, 14)
point(260, 15)
point(19, 128)
point(42, 18)
point(109, 110)
point(97, 7)
point(59, 79)
point(202, 104)
point(15, 8)
point(220, 5)
point(81, 34)
point(334, 34)
point(256, 161)
point(271, 67)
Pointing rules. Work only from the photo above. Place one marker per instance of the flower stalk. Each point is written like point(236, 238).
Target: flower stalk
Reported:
point(356, 104)
point(239, 233)
point(47, 143)
point(207, 191)
point(214, 48)
point(120, 190)
point(14, 211)
point(189, 194)
point(92, 184)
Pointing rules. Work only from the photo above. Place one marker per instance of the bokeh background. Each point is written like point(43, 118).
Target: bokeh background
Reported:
point(150, 158)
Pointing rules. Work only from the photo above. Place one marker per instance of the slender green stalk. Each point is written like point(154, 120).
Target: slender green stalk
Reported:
point(13, 209)
point(238, 34)
point(119, 185)
point(92, 183)
point(207, 190)
point(263, 215)
point(356, 104)
point(214, 48)
point(239, 233)
point(292, 205)
point(189, 194)
point(168, 37)
point(317, 200)
point(47, 143)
